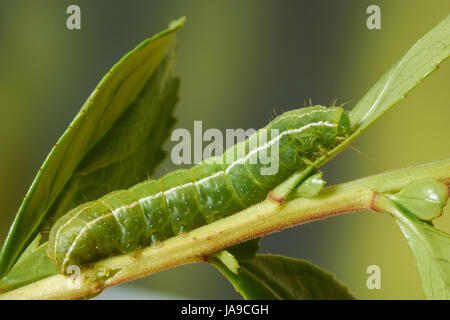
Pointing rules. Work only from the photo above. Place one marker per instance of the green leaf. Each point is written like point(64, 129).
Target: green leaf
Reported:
point(420, 61)
point(33, 266)
point(245, 250)
point(425, 198)
point(228, 260)
point(431, 250)
point(278, 277)
point(31, 247)
point(107, 145)
point(231, 256)
point(430, 247)
point(310, 187)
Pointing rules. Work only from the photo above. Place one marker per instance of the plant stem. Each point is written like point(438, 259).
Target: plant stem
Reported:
point(263, 218)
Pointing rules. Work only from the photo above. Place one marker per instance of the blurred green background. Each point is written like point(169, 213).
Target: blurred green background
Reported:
point(238, 61)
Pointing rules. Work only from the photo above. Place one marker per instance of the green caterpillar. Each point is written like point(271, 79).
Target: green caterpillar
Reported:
point(154, 210)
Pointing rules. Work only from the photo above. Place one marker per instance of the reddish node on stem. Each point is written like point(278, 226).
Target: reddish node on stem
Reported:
point(405, 96)
point(437, 67)
point(274, 198)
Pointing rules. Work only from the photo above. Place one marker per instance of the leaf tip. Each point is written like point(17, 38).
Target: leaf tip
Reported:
point(177, 24)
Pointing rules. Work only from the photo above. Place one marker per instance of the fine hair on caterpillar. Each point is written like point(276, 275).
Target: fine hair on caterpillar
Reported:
point(185, 199)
